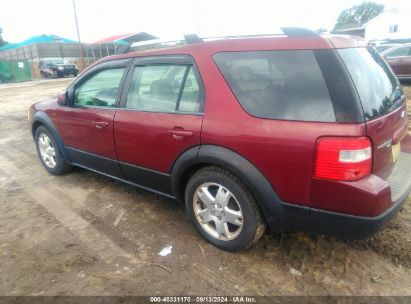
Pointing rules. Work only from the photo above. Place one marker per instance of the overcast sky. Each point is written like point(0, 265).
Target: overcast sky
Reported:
point(170, 19)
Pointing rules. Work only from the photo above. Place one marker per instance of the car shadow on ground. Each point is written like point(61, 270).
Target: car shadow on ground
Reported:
point(294, 248)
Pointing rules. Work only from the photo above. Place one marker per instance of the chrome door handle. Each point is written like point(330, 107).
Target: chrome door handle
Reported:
point(100, 124)
point(179, 133)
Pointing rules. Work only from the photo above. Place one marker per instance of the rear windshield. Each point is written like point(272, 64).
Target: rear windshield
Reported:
point(376, 85)
point(286, 85)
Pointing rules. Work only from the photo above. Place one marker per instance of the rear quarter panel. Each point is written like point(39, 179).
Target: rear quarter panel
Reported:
point(392, 129)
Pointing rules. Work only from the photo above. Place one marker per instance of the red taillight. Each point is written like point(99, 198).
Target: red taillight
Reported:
point(343, 158)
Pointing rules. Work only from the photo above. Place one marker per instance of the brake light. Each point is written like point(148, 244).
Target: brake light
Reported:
point(343, 158)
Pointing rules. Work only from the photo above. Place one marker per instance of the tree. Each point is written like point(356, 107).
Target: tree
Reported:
point(2, 42)
point(359, 14)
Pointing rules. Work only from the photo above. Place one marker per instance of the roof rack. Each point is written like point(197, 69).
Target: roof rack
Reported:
point(298, 32)
point(288, 31)
point(192, 38)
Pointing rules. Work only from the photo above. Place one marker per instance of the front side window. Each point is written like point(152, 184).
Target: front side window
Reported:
point(287, 85)
point(164, 88)
point(99, 90)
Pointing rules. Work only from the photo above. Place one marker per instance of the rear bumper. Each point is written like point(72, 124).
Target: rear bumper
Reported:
point(373, 192)
point(359, 227)
point(351, 226)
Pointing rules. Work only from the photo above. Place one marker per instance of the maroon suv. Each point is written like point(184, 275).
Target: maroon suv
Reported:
point(297, 132)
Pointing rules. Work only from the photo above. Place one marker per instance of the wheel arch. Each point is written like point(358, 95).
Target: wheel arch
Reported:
point(211, 155)
point(40, 118)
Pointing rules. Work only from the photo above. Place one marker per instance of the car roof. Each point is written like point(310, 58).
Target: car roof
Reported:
point(260, 43)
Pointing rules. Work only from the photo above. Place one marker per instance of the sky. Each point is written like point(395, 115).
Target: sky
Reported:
point(21, 19)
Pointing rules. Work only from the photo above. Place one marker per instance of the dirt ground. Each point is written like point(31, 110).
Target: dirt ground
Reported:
point(85, 234)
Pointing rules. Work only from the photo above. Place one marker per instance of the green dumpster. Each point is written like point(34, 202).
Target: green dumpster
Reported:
point(5, 73)
point(14, 71)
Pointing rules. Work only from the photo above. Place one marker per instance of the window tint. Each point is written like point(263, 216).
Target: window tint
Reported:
point(190, 98)
point(400, 52)
point(100, 89)
point(377, 87)
point(164, 88)
point(278, 84)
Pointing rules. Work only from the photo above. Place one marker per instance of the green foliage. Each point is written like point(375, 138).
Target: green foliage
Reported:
point(359, 14)
point(2, 42)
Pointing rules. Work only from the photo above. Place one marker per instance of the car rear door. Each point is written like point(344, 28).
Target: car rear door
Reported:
point(160, 117)
point(87, 125)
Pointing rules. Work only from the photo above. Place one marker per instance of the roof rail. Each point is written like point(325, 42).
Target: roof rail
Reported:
point(298, 32)
point(192, 38)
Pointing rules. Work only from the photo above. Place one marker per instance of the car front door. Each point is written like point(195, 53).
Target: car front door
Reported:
point(87, 125)
point(160, 117)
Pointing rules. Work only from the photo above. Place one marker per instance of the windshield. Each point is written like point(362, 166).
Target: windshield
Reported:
point(60, 61)
point(376, 85)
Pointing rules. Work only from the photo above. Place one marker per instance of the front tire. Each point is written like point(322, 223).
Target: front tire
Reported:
point(49, 153)
point(223, 210)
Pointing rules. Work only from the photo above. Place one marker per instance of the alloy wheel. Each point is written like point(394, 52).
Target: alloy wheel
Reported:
point(218, 211)
point(47, 150)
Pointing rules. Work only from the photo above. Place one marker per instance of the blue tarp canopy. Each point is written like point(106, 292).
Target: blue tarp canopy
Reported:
point(36, 39)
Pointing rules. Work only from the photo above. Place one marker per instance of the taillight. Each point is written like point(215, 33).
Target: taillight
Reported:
point(343, 158)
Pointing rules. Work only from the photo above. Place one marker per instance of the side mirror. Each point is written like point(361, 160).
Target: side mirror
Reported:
point(70, 96)
point(65, 98)
point(62, 98)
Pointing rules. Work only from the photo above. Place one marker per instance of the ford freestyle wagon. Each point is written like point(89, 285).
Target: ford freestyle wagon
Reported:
point(293, 132)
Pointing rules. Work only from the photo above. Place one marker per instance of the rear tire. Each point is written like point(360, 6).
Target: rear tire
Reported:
point(223, 210)
point(49, 153)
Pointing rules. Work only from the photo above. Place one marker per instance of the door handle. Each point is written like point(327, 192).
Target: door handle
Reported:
point(179, 134)
point(100, 124)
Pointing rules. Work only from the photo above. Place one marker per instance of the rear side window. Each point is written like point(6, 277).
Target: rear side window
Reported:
point(286, 85)
point(376, 85)
point(164, 88)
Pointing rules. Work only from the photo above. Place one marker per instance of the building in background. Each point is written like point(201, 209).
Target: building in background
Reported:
point(391, 24)
point(28, 53)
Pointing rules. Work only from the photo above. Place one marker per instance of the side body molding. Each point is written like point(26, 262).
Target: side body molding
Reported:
point(275, 212)
point(42, 118)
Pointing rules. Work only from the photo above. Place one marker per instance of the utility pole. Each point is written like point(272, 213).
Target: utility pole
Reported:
point(78, 36)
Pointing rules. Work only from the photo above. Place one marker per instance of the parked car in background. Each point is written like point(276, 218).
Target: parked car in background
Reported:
point(57, 67)
point(383, 47)
point(294, 132)
point(399, 59)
